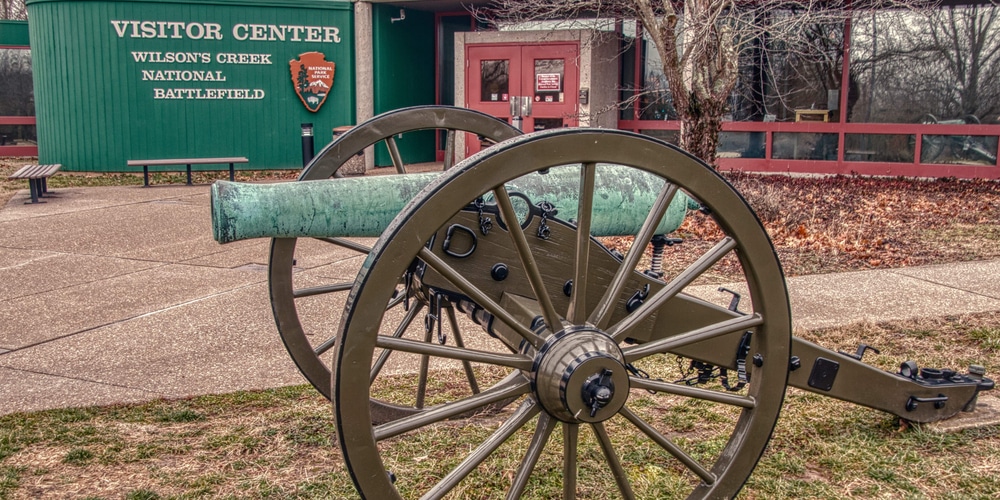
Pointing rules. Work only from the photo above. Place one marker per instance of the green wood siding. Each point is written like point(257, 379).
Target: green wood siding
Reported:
point(13, 33)
point(96, 108)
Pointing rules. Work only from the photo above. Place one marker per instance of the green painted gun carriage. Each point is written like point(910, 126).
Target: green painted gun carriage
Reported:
point(540, 285)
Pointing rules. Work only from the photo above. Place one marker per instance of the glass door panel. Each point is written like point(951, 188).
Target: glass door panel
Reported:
point(495, 80)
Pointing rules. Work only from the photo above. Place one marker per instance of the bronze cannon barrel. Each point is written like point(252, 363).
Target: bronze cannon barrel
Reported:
point(364, 206)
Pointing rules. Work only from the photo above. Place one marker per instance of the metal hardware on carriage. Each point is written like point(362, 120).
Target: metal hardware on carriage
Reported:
point(496, 273)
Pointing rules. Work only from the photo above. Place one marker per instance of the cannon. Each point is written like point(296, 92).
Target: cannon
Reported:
point(536, 286)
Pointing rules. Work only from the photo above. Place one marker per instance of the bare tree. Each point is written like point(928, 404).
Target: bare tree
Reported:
point(13, 9)
point(700, 44)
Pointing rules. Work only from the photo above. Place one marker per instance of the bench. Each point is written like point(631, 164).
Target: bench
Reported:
point(145, 164)
point(36, 175)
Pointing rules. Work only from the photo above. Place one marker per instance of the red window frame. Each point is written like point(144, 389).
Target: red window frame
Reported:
point(841, 128)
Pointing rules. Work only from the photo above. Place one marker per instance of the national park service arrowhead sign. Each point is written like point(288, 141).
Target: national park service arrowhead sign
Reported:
point(312, 77)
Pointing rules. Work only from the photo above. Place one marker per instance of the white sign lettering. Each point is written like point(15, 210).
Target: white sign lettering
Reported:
point(225, 58)
point(164, 29)
point(172, 75)
point(172, 57)
point(208, 93)
point(210, 31)
point(213, 31)
point(281, 32)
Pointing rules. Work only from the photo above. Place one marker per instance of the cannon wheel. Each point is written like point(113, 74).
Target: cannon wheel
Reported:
point(711, 463)
point(307, 354)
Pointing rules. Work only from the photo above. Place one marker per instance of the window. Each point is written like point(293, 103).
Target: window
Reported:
point(16, 96)
point(940, 66)
point(649, 98)
point(780, 80)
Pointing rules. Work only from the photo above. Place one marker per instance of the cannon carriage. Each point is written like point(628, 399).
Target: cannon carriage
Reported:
point(501, 302)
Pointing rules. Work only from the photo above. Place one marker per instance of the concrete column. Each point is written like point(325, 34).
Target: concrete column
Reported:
point(364, 70)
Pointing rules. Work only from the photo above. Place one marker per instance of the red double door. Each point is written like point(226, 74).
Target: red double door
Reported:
point(547, 75)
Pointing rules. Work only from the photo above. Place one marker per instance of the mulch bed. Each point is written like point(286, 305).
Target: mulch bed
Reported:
point(827, 224)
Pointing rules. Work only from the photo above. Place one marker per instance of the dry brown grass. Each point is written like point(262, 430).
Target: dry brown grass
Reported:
point(831, 224)
point(835, 224)
point(9, 165)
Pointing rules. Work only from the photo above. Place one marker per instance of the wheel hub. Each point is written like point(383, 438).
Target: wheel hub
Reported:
point(579, 376)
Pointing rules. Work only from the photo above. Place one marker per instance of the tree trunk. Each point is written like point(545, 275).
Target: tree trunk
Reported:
point(700, 127)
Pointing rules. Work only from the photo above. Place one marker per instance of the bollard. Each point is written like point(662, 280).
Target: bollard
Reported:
point(307, 144)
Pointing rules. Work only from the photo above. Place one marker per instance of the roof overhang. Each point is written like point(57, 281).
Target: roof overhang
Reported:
point(434, 5)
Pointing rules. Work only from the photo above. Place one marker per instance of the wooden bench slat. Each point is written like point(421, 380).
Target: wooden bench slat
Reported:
point(187, 161)
point(48, 170)
point(36, 175)
point(24, 172)
point(35, 171)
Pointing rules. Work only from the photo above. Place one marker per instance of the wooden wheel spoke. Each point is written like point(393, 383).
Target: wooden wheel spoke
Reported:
point(601, 315)
point(449, 149)
point(346, 243)
point(396, 299)
point(669, 445)
point(400, 330)
point(397, 160)
point(479, 297)
point(425, 360)
point(534, 275)
point(320, 290)
point(325, 346)
point(520, 417)
point(543, 429)
point(571, 435)
point(706, 261)
point(692, 392)
point(466, 365)
point(515, 361)
point(328, 344)
point(338, 287)
point(301, 335)
point(616, 466)
point(661, 346)
point(514, 386)
point(584, 215)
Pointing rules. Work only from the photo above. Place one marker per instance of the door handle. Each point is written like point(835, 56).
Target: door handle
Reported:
point(520, 106)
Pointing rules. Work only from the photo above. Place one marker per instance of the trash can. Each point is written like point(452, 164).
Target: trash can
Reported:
point(355, 165)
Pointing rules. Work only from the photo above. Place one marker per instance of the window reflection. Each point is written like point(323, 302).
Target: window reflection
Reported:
point(671, 136)
point(648, 99)
point(495, 76)
point(741, 145)
point(781, 80)
point(16, 98)
point(804, 146)
point(18, 135)
point(959, 149)
point(944, 62)
point(894, 148)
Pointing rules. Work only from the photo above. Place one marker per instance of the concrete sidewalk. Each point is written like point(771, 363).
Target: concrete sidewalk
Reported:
point(120, 295)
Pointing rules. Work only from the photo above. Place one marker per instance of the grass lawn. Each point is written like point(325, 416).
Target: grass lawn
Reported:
point(281, 443)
